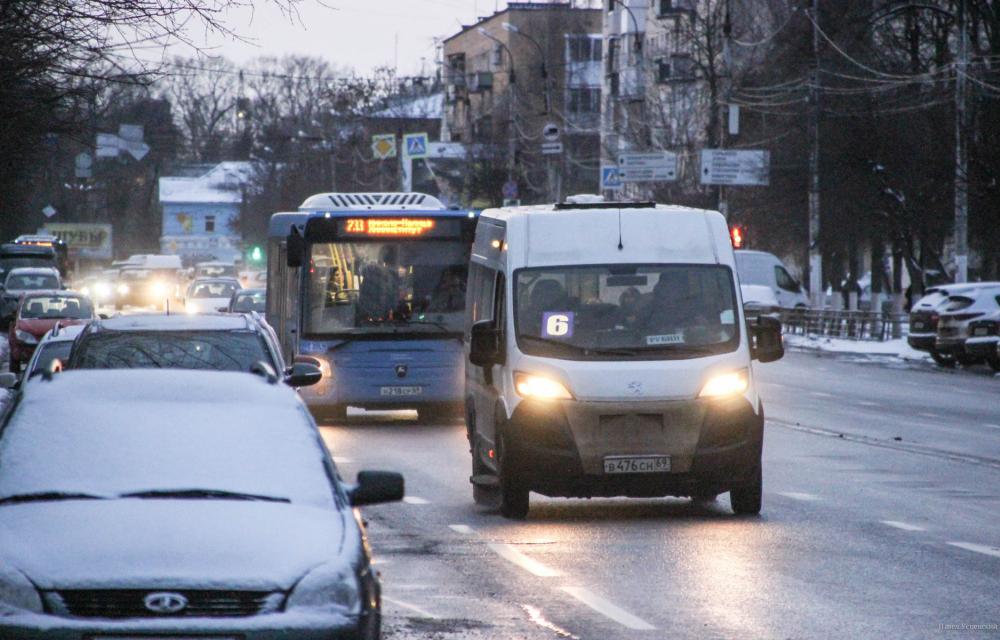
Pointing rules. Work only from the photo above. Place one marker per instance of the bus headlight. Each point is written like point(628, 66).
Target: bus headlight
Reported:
point(540, 387)
point(726, 384)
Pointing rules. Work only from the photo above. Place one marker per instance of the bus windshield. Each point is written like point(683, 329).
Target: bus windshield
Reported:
point(386, 287)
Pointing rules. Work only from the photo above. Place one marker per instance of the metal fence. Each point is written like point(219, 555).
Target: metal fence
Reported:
point(852, 325)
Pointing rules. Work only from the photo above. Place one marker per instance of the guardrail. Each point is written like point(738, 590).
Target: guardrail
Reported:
point(851, 325)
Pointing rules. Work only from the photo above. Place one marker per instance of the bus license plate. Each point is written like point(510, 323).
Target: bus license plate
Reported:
point(636, 464)
point(402, 391)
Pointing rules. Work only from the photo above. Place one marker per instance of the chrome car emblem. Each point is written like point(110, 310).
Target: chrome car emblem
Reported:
point(165, 602)
point(635, 388)
point(401, 370)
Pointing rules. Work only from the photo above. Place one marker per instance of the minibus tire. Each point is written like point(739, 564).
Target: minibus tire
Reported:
point(746, 499)
point(514, 497)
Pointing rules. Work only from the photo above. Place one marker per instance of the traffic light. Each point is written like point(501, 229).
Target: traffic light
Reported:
point(738, 235)
point(256, 254)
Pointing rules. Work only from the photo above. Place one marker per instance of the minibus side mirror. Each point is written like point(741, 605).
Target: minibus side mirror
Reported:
point(295, 248)
point(766, 344)
point(484, 346)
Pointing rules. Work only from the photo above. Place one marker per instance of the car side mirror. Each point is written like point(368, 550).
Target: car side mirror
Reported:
point(295, 249)
point(103, 316)
point(376, 487)
point(8, 380)
point(484, 344)
point(303, 374)
point(766, 343)
point(222, 309)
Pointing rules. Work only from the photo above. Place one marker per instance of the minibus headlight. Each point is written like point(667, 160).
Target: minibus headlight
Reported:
point(160, 289)
point(540, 387)
point(726, 384)
point(122, 289)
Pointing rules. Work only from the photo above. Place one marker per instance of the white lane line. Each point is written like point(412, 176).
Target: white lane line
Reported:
point(795, 495)
point(608, 609)
point(415, 500)
point(423, 613)
point(464, 529)
point(820, 394)
point(978, 548)
point(342, 460)
point(905, 526)
point(530, 565)
point(991, 426)
point(933, 416)
point(865, 403)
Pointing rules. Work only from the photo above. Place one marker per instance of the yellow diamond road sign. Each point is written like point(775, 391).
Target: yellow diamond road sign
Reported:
point(384, 146)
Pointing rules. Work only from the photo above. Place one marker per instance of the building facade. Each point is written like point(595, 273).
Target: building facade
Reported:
point(523, 93)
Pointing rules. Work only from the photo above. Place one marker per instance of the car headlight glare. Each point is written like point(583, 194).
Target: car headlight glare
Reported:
point(25, 337)
point(540, 387)
point(102, 290)
point(159, 289)
point(726, 384)
point(330, 587)
point(123, 289)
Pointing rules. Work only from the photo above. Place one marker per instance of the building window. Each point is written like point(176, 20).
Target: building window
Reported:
point(583, 48)
point(583, 105)
point(209, 224)
point(497, 57)
point(456, 69)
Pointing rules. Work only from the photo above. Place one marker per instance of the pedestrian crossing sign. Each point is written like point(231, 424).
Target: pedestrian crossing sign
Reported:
point(415, 145)
point(611, 180)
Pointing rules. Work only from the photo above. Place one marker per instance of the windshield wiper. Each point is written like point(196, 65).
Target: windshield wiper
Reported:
point(48, 496)
point(201, 494)
point(601, 351)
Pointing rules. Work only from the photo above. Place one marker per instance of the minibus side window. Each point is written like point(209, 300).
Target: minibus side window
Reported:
point(500, 315)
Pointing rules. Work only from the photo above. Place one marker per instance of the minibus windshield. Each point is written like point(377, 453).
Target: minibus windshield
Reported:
point(393, 287)
point(602, 312)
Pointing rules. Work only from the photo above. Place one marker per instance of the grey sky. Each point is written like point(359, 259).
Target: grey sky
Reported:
point(361, 34)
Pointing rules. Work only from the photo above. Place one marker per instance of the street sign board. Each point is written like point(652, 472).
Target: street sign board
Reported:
point(551, 148)
point(551, 132)
point(49, 211)
point(746, 167)
point(610, 180)
point(82, 165)
point(384, 146)
point(84, 240)
point(107, 145)
point(415, 145)
point(648, 167)
point(509, 190)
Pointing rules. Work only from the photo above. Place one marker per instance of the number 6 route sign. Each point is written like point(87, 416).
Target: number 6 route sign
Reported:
point(557, 324)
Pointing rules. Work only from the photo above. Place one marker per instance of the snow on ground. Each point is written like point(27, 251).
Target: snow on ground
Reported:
point(891, 348)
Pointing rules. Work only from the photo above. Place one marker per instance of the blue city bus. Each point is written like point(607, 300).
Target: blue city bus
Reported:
point(371, 288)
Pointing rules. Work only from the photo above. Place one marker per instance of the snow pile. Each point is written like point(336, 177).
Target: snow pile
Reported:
point(897, 348)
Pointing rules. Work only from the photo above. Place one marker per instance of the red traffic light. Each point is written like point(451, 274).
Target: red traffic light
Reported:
point(738, 235)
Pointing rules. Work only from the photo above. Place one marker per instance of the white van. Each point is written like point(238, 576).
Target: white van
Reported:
point(762, 268)
point(609, 355)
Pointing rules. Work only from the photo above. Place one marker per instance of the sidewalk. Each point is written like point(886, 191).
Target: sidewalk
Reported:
point(897, 348)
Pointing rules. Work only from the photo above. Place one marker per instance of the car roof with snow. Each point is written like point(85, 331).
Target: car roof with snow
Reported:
point(175, 322)
point(61, 333)
point(33, 271)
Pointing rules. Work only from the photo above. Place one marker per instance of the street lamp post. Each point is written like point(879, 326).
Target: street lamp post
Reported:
point(511, 133)
point(541, 57)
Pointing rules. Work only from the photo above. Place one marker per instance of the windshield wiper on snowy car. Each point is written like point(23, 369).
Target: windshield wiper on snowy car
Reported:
point(200, 494)
point(48, 496)
point(597, 351)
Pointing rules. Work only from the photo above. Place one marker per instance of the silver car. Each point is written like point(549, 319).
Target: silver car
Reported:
point(128, 514)
point(960, 310)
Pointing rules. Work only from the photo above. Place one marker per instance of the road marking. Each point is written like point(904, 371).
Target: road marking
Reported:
point(933, 416)
point(415, 500)
point(978, 548)
point(902, 525)
point(608, 609)
point(795, 495)
point(820, 394)
point(464, 529)
point(342, 460)
point(423, 613)
point(865, 403)
point(992, 426)
point(535, 615)
point(530, 565)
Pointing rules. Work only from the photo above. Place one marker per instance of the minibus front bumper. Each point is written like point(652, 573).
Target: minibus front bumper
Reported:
point(558, 449)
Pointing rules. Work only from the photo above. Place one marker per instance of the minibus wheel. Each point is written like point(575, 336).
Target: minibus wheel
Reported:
point(746, 499)
point(514, 496)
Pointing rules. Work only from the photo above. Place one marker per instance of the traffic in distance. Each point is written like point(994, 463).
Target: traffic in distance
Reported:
point(175, 438)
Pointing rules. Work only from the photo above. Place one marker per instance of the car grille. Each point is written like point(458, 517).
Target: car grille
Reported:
point(129, 603)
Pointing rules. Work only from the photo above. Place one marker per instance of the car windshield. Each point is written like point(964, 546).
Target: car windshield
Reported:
point(612, 311)
point(27, 282)
point(249, 301)
point(49, 351)
point(212, 290)
point(386, 287)
point(54, 307)
point(214, 350)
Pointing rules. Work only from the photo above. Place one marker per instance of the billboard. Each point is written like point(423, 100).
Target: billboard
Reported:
point(84, 239)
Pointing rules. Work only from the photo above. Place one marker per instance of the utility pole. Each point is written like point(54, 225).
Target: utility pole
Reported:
point(961, 149)
point(815, 257)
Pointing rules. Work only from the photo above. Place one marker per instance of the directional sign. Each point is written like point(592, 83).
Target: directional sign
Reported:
point(384, 146)
point(415, 145)
point(551, 148)
point(610, 180)
point(648, 167)
point(735, 167)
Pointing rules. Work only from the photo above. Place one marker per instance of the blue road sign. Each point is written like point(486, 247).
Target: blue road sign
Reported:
point(415, 145)
point(610, 178)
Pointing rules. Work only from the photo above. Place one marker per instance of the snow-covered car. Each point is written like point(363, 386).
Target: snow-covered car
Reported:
point(215, 269)
point(222, 516)
point(208, 295)
point(984, 340)
point(57, 344)
point(924, 316)
point(217, 342)
point(956, 315)
point(22, 280)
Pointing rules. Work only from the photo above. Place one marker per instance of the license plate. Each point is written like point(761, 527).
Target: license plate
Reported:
point(402, 391)
point(918, 325)
point(636, 464)
point(982, 331)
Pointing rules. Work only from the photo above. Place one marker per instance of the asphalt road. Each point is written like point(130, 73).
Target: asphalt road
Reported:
point(862, 534)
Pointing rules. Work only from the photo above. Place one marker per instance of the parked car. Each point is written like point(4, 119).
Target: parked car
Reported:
point(924, 316)
point(762, 268)
point(128, 514)
point(247, 300)
point(37, 313)
point(958, 312)
point(984, 340)
point(211, 341)
point(208, 295)
point(57, 344)
point(22, 280)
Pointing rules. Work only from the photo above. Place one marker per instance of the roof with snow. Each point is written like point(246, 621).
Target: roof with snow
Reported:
point(221, 184)
point(430, 107)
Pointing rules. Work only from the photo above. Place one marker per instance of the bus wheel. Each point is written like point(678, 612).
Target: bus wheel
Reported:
point(514, 496)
